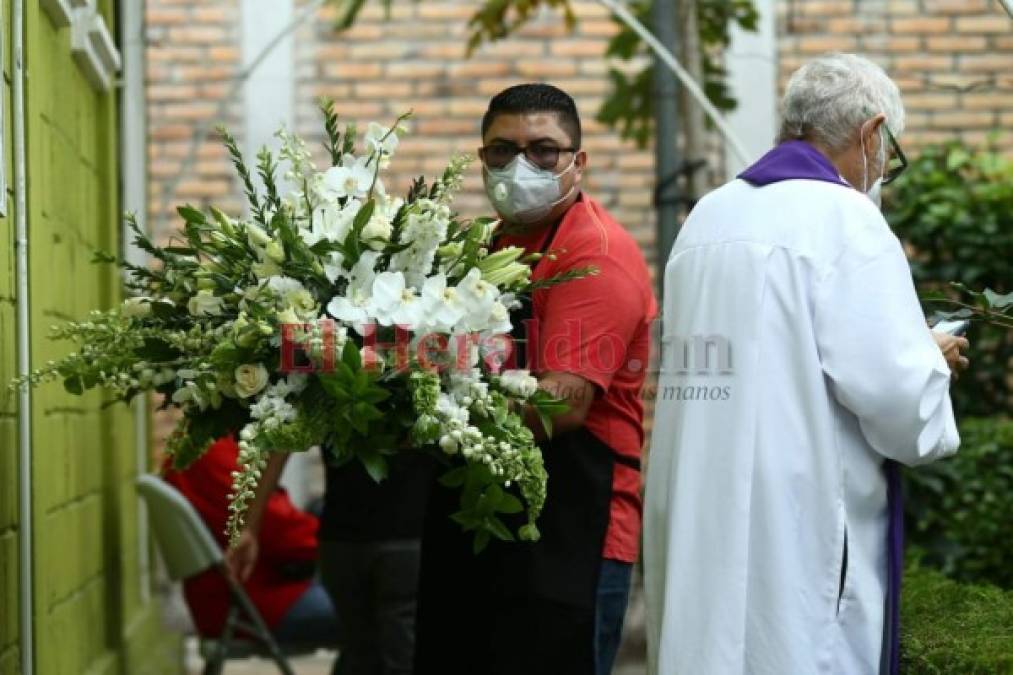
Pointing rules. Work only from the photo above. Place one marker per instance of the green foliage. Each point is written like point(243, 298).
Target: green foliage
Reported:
point(954, 206)
point(629, 107)
point(948, 627)
point(961, 509)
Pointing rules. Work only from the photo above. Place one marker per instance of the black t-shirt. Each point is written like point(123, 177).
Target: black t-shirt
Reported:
point(357, 508)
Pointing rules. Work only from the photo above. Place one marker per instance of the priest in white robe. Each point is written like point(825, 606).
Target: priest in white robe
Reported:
point(797, 369)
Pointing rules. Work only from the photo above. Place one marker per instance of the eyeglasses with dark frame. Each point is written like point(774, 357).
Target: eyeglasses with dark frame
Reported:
point(542, 155)
point(897, 165)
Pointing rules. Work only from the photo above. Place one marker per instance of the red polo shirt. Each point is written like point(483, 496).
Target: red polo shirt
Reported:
point(598, 328)
point(287, 535)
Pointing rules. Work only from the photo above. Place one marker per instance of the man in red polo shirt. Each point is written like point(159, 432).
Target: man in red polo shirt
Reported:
point(557, 606)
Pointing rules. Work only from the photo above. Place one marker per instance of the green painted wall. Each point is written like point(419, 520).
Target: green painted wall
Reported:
point(89, 613)
point(9, 656)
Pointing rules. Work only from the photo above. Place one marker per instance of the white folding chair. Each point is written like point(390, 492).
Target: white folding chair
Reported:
point(188, 549)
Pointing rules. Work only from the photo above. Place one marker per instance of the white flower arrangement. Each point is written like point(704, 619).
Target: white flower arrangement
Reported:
point(339, 271)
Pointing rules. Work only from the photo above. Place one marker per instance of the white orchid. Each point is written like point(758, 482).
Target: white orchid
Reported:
point(339, 182)
point(331, 223)
point(334, 266)
point(394, 303)
point(479, 297)
point(381, 140)
point(354, 306)
point(443, 305)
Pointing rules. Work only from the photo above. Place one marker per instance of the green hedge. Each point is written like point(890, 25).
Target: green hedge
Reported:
point(954, 206)
point(960, 509)
point(948, 627)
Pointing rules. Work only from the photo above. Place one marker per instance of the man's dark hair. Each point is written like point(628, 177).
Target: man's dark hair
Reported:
point(535, 98)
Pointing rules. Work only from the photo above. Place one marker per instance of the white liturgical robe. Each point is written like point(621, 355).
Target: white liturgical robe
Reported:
point(795, 361)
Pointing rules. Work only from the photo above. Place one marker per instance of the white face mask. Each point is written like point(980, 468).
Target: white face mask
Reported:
point(523, 193)
point(874, 191)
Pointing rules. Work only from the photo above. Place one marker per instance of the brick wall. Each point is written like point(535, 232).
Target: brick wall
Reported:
point(192, 57)
point(416, 60)
point(951, 58)
point(376, 71)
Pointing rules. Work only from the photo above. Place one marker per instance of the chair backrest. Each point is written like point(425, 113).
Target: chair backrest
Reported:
point(184, 540)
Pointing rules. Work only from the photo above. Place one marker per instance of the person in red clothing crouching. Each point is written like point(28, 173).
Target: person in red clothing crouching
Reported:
point(293, 604)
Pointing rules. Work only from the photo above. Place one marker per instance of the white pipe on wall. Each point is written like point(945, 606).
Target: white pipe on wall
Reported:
point(25, 584)
point(133, 186)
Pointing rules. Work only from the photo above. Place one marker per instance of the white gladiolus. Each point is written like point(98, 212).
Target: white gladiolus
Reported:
point(519, 382)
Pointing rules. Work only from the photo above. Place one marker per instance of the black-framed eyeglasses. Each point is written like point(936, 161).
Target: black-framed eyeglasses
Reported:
point(542, 155)
point(898, 163)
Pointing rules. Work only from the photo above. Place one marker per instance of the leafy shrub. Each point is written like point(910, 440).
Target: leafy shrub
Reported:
point(954, 206)
point(960, 510)
point(948, 627)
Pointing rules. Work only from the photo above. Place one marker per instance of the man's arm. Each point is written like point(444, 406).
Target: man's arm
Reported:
point(578, 394)
point(881, 358)
point(242, 557)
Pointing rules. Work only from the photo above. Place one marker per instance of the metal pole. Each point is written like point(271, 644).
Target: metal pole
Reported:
point(133, 184)
point(26, 590)
point(666, 151)
point(661, 52)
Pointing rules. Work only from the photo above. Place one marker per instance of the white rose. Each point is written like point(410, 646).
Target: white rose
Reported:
point(205, 303)
point(519, 382)
point(136, 307)
point(250, 379)
point(378, 228)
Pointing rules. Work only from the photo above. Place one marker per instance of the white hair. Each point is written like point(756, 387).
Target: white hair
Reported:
point(830, 97)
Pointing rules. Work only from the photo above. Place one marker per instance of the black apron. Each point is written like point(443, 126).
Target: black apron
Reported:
point(517, 607)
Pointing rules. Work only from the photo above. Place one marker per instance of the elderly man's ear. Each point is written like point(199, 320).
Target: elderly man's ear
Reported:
point(871, 134)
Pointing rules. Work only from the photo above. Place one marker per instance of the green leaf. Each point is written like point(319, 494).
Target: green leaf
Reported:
point(156, 351)
point(350, 356)
point(482, 538)
point(333, 385)
point(510, 504)
point(191, 215)
point(74, 385)
point(454, 478)
point(375, 464)
point(362, 218)
point(499, 529)
point(998, 301)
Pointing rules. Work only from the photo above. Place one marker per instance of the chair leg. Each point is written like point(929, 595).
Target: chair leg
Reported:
point(262, 632)
point(216, 662)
